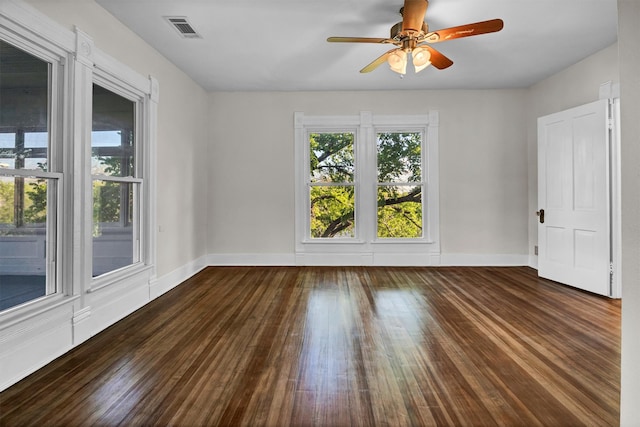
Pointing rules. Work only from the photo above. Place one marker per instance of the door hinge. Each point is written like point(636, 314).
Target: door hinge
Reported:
point(611, 281)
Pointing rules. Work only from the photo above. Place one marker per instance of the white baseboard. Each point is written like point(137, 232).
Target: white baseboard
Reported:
point(28, 346)
point(170, 280)
point(378, 259)
point(484, 260)
point(274, 259)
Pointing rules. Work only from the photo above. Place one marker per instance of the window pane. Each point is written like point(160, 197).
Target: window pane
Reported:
point(399, 211)
point(331, 157)
point(23, 202)
point(24, 108)
point(113, 230)
point(36, 139)
point(332, 211)
point(7, 140)
point(112, 138)
point(24, 211)
point(23, 239)
point(7, 201)
point(399, 157)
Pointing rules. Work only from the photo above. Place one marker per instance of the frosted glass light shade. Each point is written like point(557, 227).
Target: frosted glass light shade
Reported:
point(398, 61)
point(421, 58)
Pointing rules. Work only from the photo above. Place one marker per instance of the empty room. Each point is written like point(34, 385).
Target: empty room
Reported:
point(289, 213)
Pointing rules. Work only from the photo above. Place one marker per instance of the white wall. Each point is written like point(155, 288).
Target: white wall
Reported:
point(576, 85)
point(37, 335)
point(182, 135)
point(483, 165)
point(629, 46)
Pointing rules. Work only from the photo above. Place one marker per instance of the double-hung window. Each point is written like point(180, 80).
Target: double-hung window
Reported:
point(331, 185)
point(367, 189)
point(116, 181)
point(121, 188)
point(30, 172)
point(399, 186)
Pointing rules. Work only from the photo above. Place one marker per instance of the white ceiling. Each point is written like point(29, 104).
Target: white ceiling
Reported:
point(266, 45)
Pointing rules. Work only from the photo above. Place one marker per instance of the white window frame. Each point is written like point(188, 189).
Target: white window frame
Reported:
point(119, 79)
point(40, 46)
point(76, 62)
point(138, 181)
point(366, 248)
point(308, 184)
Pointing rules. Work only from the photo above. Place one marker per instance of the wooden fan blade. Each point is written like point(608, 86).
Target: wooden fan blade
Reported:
point(358, 40)
point(438, 60)
point(377, 62)
point(468, 30)
point(413, 15)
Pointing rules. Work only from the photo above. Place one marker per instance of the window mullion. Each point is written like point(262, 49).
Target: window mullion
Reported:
point(80, 181)
point(367, 178)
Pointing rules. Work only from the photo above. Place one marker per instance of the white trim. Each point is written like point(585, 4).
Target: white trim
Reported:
point(81, 315)
point(616, 199)
point(30, 173)
point(84, 48)
point(611, 92)
point(115, 72)
point(24, 18)
point(116, 276)
point(29, 346)
point(111, 178)
point(149, 168)
point(411, 259)
point(272, 259)
point(81, 325)
point(484, 260)
point(164, 284)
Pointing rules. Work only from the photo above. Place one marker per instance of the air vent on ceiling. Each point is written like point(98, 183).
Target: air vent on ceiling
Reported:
point(183, 27)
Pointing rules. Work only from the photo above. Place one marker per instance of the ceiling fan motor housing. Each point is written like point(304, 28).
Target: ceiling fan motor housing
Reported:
point(397, 29)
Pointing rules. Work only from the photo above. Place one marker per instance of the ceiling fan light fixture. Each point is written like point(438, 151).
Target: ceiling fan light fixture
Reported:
point(421, 58)
point(398, 61)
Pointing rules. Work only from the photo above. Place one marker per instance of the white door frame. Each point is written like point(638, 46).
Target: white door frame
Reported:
point(611, 91)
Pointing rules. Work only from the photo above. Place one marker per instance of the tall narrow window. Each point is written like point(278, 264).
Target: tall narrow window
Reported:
point(400, 187)
point(116, 183)
point(331, 185)
point(28, 179)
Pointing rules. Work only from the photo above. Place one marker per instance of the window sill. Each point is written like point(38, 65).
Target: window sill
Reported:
point(333, 242)
point(374, 242)
point(31, 309)
point(403, 242)
point(116, 276)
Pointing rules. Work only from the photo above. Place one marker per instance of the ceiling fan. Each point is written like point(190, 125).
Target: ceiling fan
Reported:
point(412, 36)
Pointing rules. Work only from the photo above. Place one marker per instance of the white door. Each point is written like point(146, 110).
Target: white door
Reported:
point(573, 197)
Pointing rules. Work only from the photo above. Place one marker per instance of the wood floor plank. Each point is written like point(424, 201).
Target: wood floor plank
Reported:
point(341, 346)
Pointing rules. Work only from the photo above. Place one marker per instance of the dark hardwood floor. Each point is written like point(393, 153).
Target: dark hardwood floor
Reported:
point(362, 346)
